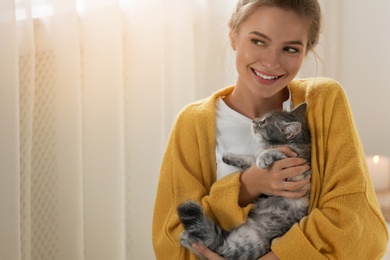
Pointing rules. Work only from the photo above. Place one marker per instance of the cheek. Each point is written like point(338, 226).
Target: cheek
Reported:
point(293, 65)
point(243, 58)
point(246, 53)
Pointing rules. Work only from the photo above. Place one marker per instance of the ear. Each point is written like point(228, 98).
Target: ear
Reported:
point(300, 110)
point(232, 39)
point(290, 130)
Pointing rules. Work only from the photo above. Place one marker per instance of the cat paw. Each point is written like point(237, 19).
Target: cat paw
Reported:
point(268, 157)
point(264, 161)
point(238, 161)
point(228, 158)
point(187, 241)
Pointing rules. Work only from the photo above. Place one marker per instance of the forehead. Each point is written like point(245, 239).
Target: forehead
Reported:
point(277, 23)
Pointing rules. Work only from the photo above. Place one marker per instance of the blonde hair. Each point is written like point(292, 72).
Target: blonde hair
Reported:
point(308, 9)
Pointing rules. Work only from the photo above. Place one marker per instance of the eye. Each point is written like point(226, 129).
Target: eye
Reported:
point(261, 122)
point(257, 42)
point(291, 50)
point(258, 122)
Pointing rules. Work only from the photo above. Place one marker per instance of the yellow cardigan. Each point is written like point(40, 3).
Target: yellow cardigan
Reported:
point(344, 220)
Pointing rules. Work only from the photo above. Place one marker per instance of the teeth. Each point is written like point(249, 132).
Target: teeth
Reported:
point(264, 76)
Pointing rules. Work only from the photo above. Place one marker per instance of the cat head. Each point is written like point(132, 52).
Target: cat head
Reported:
point(281, 127)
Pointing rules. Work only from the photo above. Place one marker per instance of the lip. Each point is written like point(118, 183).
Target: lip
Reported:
point(266, 78)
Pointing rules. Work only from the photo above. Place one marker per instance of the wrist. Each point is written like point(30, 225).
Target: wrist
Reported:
point(248, 191)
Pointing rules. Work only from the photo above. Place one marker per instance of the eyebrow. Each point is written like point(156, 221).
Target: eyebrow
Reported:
point(269, 39)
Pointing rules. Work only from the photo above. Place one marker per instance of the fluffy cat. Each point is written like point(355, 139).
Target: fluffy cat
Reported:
point(271, 216)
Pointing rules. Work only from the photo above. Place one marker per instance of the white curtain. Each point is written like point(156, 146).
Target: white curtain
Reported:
point(88, 92)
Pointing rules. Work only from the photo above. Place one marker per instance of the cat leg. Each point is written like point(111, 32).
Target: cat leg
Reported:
point(240, 161)
point(247, 242)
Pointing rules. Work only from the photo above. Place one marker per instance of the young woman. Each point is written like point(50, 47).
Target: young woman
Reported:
point(271, 39)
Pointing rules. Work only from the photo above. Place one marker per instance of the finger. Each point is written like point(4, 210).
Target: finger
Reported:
point(301, 185)
point(201, 249)
point(289, 162)
point(286, 150)
point(290, 189)
point(294, 171)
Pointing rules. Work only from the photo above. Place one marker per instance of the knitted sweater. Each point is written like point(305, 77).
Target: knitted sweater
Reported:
point(344, 220)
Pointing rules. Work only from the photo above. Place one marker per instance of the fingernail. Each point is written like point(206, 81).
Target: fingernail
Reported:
point(195, 246)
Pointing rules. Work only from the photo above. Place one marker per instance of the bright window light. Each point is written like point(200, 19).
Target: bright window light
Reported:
point(40, 8)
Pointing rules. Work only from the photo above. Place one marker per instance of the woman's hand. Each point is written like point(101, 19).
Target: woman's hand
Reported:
point(272, 181)
point(201, 249)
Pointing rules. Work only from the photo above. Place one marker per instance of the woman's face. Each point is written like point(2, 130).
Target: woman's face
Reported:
point(270, 46)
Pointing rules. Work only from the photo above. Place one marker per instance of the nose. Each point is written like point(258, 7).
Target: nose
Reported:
point(270, 59)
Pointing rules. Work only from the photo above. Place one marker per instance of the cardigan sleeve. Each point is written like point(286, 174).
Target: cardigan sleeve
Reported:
point(188, 173)
point(345, 221)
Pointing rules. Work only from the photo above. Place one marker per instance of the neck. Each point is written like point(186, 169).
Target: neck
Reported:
point(255, 107)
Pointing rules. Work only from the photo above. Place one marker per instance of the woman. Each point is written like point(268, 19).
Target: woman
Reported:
point(271, 39)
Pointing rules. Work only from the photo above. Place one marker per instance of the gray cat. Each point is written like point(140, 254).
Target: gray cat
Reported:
point(271, 216)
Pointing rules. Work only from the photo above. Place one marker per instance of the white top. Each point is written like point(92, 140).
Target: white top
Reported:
point(234, 135)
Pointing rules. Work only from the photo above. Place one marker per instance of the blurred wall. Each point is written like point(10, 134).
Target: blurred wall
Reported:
point(354, 50)
point(364, 69)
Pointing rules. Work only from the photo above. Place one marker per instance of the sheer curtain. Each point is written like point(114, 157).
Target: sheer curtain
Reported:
point(89, 90)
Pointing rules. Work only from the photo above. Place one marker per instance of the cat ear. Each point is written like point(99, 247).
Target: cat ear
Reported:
point(300, 109)
point(291, 129)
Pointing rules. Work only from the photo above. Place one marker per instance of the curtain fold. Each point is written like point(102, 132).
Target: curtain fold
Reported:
point(145, 118)
point(9, 137)
point(69, 131)
point(103, 133)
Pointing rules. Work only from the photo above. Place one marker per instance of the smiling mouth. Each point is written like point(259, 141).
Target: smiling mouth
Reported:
point(266, 77)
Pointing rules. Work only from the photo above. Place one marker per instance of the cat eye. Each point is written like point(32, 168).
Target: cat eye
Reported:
point(259, 122)
point(262, 122)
